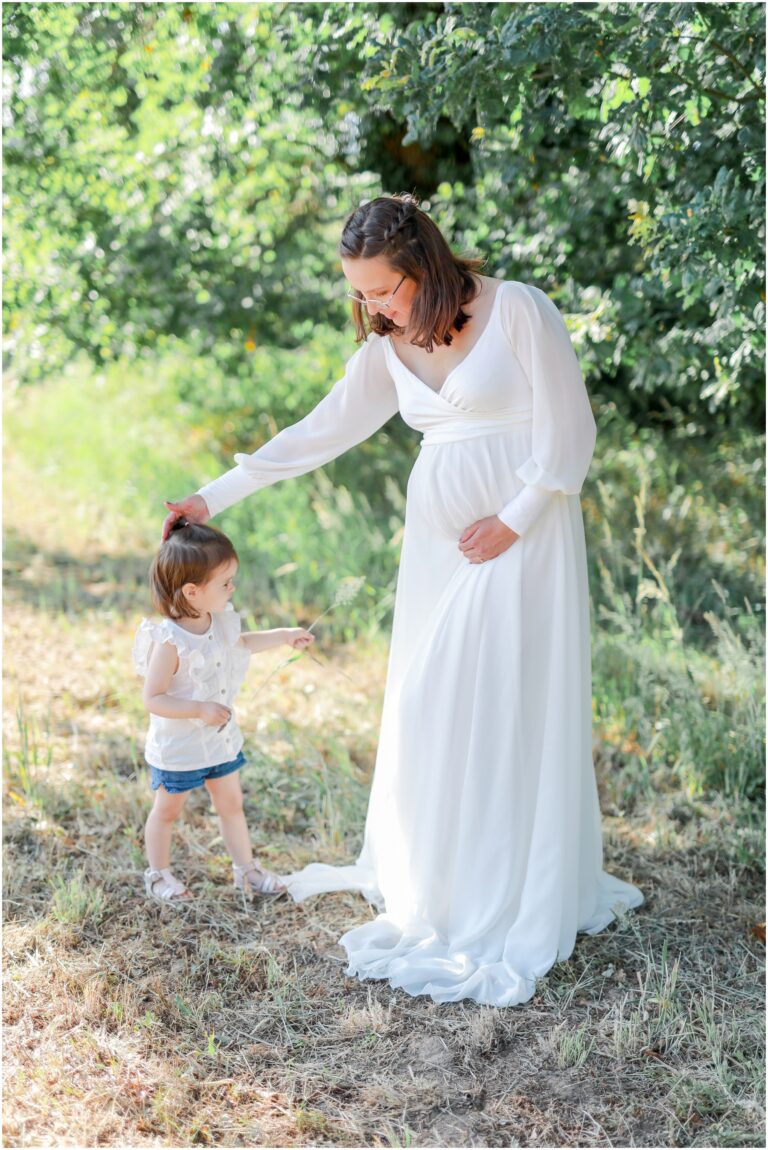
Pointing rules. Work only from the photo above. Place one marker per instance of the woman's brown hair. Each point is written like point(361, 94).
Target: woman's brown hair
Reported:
point(190, 554)
point(396, 228)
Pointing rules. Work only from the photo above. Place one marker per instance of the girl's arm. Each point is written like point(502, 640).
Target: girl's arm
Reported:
point(263, 640)
point(163, 663)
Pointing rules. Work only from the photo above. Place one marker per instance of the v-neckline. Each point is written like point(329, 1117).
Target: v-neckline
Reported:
point(439, 391)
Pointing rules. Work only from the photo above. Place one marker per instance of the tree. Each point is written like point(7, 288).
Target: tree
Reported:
point(183, 172)
point(618, 161)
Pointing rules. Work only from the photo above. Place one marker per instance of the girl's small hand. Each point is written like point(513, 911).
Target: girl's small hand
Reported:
point(298, 638)
point(194, 508)
point(486, 539)
point(214, 714)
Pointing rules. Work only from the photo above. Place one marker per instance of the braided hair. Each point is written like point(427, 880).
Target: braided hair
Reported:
point(396, 228)
point(402, 227)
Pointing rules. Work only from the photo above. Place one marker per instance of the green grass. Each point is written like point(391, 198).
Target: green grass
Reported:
point(101, 451)
point(75, 900)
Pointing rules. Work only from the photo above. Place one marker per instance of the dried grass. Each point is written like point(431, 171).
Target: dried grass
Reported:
point(220, 1023)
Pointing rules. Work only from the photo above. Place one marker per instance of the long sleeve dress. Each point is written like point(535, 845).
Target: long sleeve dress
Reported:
point(483, 842)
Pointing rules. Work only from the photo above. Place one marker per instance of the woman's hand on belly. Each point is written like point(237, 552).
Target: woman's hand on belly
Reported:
point(486, 539)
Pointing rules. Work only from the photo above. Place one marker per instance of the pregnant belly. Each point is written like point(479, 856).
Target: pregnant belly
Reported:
point(454, 484)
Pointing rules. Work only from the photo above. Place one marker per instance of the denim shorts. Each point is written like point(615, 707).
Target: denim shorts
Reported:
point(176, 782)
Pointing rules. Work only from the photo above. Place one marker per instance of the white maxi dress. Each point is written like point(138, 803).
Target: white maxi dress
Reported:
point(483, 841)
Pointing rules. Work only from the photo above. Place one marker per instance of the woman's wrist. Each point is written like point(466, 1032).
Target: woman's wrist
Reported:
point(228, 489)
point(521, 513)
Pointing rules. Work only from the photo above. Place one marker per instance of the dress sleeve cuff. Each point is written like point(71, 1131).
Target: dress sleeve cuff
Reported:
point(532, 473)
point(229, 488)
point(522, 512)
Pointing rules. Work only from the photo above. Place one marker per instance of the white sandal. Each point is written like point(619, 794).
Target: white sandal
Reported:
point(163, 884)
point(252, 879)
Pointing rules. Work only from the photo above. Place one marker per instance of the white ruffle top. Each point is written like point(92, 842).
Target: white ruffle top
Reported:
point(211, 669)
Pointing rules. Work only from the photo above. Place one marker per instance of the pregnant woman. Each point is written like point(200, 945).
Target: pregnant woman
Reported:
point(483, 840)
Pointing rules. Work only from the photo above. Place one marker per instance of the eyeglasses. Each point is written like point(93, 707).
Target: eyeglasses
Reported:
point(381, 303)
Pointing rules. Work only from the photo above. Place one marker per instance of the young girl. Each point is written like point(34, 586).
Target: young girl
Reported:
point(193, 663)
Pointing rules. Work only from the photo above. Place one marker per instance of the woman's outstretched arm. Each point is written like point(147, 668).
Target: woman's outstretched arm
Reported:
point(357, 405)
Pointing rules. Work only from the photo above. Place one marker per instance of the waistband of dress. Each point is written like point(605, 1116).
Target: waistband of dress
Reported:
point(453, 431)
